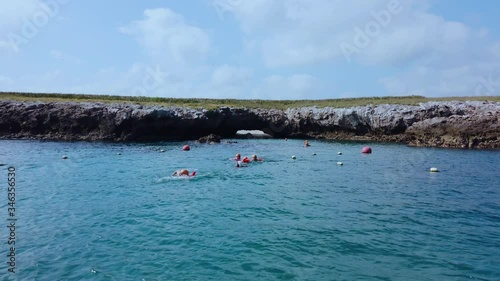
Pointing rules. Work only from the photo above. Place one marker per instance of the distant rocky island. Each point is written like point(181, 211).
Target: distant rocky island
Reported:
point(461, 124)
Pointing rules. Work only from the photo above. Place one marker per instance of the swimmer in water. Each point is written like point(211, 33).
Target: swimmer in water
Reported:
point(240, 164)
point(255, 159)
point(245, 160)
point(183, 173)
point(306, 143)
point(238, 157)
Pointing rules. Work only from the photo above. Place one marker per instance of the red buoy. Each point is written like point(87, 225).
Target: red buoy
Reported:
point(366, 149)
point(186, 148)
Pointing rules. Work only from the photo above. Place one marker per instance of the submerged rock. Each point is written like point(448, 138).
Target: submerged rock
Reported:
point(212, 138)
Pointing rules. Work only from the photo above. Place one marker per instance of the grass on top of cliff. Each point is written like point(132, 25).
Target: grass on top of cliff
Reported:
point(215, 103)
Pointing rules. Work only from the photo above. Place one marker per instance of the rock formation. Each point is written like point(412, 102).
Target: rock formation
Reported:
point(446, 124)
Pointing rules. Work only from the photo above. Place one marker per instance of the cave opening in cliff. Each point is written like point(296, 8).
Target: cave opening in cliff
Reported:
point(258, 134)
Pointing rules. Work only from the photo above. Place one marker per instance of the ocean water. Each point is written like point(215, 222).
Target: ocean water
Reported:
point(113, 212)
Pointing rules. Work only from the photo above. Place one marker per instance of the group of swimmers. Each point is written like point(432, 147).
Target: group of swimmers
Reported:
point(240, 162)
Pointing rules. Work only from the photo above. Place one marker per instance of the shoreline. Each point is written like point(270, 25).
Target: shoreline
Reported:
point(460, 124)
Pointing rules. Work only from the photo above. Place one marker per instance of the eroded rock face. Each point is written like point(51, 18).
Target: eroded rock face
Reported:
point(445, 124)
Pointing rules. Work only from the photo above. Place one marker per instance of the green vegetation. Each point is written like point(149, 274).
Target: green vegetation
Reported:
point(214, 103)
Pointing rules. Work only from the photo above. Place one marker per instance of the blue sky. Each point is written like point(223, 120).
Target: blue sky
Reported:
point(258, 49)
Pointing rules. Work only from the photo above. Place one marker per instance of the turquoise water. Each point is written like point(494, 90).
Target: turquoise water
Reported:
point(103, 216)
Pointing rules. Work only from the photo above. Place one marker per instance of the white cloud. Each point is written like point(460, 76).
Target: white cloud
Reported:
point(302, 32)
point(428, 53)
point(175, 46)
point(12, 15)
point(166, 36)
point(439, 56)
point(13, 12)
point(21, 20)
point(422, 36)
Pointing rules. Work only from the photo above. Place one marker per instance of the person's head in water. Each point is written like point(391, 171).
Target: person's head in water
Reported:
point(183, 172)
point(254, 157)
point(238, 156)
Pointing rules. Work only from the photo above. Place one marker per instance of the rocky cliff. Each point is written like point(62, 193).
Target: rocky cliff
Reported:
point(445, 124)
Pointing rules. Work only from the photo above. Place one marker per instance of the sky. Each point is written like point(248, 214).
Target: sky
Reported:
point(251, 49)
